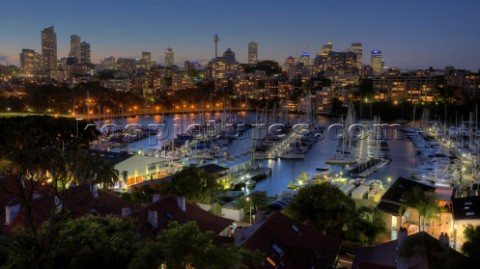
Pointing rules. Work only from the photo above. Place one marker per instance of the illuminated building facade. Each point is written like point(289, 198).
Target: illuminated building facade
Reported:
point(75, 47)
point(169, 57)
point(30, 62)
point(85, 54)
point(357, 49)
point(252, 53)
point(413, 89)
point(49, 51)
point(376, 62)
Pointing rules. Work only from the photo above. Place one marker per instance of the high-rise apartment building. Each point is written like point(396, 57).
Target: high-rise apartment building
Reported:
point(357, 49)
point(75, 47)
point(85, 54)
point(376, 62)
point(252, 53)
point(169, 57)
point(30, 62)
point(49, 51)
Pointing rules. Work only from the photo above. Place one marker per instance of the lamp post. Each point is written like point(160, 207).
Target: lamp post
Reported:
point(250, 214)
point(78, 119)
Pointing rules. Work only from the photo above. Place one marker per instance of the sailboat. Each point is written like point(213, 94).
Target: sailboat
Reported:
point(343, 157)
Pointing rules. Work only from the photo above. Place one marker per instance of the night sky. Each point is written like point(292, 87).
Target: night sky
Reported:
point(410, 33)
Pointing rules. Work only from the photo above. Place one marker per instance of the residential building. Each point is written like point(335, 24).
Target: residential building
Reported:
point(287, 243)
point(126, 65)
point(428, 253)
point(49, 51)
point(466, 211)
point(413, 89)
point(156, 216)
point(30, 62)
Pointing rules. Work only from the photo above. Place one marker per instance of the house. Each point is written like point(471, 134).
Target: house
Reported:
point(79, 200)
point(417, 251)
point(287, 243)
point(156, 216)
point(392, 202)
point(466, 211)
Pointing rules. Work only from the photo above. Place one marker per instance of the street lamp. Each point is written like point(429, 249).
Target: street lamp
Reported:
point(250, 214)
point(78, 119)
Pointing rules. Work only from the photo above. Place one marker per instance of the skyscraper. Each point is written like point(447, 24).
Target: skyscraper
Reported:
point(169, 57)
point(49, 51)
point(75, 47)
point(229, 56)
point(357, 49)
point(146, 59)
point(85, 56)
point(252, 53)
point(215, 40)
point(376, 62)
point(30, 62)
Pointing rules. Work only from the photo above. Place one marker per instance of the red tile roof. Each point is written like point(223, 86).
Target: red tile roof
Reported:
point(425, 252)
point(291, 244)
point(168, 210)
point(78, 200)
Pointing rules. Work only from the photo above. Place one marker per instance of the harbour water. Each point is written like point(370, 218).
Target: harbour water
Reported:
point(402, 151)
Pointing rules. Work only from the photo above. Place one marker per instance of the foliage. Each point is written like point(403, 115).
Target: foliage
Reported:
point(192, 183)
point(424, 201)
point(324, 205)
point(366, 224)
point(185, 246)
point(471, 248)
point(88, 242)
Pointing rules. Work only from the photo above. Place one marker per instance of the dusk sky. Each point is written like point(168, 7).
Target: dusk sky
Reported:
point(410, 33)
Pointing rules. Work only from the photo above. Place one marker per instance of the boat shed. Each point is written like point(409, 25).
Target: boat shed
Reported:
point(360, 192)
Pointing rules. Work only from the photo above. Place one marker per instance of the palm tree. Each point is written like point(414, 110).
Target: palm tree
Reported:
point(424, 201)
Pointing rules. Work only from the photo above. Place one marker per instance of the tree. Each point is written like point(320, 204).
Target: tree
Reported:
point(185, 246)
point(324, 205)
point(195, 184)
point(471, 248)
point(365, 225)
point(424, 201)
point(88, 242)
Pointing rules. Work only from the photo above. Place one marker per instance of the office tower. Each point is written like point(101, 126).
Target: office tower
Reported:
point(229, 56)
point(30, 62)
point(304, 59)
point(49, 51)
point(357, 49)
point(376, 62)
point(146, 59)
point(75, 47)
point(326, 49)
point(169, 57)
point(252, 53)
point(85, 57)
point(216, 39)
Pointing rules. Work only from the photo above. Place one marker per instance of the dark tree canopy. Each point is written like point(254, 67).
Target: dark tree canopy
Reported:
point(192, 183)
point(324, 205)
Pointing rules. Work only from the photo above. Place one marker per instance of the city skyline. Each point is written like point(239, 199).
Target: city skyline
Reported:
point(409, 34)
